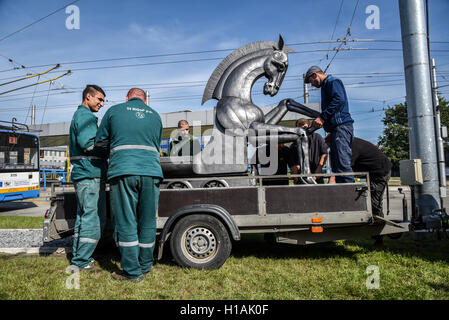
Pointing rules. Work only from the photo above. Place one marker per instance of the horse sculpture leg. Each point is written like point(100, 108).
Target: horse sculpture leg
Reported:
point(303, 145)
point(296, 107)
point(259, 131)
point(277, 113)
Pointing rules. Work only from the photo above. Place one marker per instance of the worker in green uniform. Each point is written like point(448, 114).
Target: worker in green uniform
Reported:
point(132, 133)
point(183, 143)
point(88, 175)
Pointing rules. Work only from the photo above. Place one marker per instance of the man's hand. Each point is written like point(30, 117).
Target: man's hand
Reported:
point(318, 123)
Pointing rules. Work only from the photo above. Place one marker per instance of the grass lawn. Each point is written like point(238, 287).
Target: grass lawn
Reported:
point(17, 222)
point(255, 270)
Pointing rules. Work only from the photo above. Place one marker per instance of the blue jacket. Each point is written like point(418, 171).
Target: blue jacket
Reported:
point(334, 104)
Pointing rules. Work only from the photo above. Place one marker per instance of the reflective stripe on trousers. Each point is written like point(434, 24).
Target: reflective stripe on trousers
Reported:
point(135, 243)
point(84, 239)
point(88, 240)
point(133, 146)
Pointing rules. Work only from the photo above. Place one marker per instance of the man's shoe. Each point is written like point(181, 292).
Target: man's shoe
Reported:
point(122, 277)
point(91, 267)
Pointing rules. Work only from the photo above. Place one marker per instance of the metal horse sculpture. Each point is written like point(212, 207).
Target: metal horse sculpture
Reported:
point(237, 116)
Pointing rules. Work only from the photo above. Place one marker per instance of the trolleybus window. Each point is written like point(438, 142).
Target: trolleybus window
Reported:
point(22, 155)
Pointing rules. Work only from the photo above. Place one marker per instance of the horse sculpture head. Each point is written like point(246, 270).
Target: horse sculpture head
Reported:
point(275, 67)
point(262, 58)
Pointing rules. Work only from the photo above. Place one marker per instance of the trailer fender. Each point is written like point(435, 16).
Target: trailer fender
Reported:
point(211, 209)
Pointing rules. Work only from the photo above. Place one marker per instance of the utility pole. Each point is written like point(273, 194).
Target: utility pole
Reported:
point(419, 104)
point(438, 134)
point(306, 90)
point(33, 114)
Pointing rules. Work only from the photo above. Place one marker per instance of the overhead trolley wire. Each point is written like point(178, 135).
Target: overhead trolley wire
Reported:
point(387, 76)
point(348, 33)
point(211, 51)
point(34, 22)
point(37, 83)
point(31, 76)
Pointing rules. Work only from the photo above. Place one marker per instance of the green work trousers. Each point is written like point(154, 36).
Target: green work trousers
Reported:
point(134, 201)
point(90, 219)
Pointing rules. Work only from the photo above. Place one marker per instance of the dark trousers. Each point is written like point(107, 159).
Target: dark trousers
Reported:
point(341, 139)
point(378, 183)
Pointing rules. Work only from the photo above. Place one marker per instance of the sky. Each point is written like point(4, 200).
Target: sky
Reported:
point(171, 48)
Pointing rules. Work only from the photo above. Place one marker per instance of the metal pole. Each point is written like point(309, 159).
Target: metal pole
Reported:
point(33, 114)
point(438, 135)
point(306, 90)
point(436, 111)
point(148, 98)
point(419, 103)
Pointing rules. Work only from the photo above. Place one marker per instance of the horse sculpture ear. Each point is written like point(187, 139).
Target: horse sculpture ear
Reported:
point(280, 43)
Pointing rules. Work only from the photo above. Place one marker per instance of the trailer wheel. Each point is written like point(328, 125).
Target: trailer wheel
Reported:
point(179, 185)
point(216, 184)
point(200, 241)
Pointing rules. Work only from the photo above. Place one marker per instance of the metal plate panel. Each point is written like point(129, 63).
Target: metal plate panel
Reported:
point(237, 201)
point(315, 198)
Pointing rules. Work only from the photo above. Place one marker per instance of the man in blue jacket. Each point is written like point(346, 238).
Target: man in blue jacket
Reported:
point(131, 132)
point(335, 119)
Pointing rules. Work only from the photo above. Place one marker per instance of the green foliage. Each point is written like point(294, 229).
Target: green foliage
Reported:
point(395, 142)
point(444, 115)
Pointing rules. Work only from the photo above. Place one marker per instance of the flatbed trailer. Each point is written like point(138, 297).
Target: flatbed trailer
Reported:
point(201, 223)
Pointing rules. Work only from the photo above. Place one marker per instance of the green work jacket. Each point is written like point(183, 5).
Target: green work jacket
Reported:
point(88, 162)
point(131, 132)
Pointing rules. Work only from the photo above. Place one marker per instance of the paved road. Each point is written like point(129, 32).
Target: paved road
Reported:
point(37, 207)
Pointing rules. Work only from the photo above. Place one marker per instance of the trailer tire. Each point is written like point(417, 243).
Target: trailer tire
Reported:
point(200, 241)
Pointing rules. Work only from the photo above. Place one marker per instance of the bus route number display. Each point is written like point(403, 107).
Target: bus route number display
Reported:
point(13, 140)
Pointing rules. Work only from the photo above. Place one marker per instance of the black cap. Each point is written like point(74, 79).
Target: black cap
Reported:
point(311, 71)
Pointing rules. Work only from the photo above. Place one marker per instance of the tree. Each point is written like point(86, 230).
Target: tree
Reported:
point(444, 116)
point(394, 142)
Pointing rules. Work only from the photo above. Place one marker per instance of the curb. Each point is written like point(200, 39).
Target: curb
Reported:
point(37, 250)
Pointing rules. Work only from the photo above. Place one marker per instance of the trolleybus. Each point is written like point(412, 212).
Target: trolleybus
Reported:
point(19, 162)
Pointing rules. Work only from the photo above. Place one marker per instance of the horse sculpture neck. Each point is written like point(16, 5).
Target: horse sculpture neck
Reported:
point(241, 80)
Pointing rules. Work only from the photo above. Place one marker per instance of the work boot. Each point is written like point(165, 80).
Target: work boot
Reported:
point(91, 267)
point(120, 275)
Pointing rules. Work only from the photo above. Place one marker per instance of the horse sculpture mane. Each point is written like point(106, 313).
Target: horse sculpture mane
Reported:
point(214, 87)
